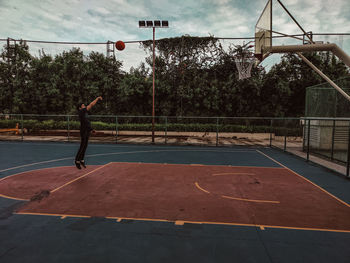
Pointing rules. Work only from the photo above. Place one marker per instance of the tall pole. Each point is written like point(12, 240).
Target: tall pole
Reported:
point(153, 24)
point(154, 32)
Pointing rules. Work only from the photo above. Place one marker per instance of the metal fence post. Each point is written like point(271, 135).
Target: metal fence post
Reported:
point(271, 125)
point(333, 134)
point(217, 131)
point(22, 129)
point(304, 132)
point(348, 153)
point(68, 127)
point(166, 129)
point(285, 136)
point(308, 141)
point(116, 129)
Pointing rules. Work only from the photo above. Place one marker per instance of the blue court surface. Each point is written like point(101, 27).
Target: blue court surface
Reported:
point(38, 238)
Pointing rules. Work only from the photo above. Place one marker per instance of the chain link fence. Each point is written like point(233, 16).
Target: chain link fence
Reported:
point(324, 101)
point(326, 138)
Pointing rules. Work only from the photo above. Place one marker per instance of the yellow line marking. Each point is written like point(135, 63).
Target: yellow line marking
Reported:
point(76, 179)
point(63, 217)
point(320, 188)
point(138, 219)
point(235, 173)
point(250, 200)
point(239, 199)
point(194, 222)
point(196, 164)
point(307, 229)
point(14, 198)
point(6, 177)
point(213, 165)
point(179, 223)
point(119, 220)
point(21, 199)
point(200, 188)
point(47, 214)
point(262, 228)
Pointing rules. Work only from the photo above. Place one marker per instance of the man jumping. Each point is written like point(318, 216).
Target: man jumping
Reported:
point(85, 130)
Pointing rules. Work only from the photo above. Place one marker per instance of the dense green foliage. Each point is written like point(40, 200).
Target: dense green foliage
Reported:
point(194, 78)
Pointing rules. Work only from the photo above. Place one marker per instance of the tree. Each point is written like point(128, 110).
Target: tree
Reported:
point(201, 76)
point(195, 76)
point(287, 81)
point(14, 76)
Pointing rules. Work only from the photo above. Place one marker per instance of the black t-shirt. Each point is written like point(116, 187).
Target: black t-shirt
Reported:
point(85, 124)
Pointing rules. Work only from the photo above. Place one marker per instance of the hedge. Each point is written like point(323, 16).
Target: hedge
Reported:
point(36, 125)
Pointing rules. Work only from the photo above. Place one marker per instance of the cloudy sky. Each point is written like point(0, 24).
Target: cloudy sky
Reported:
point(103, 20)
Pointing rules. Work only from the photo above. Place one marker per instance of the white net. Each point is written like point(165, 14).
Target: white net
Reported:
point(244, 64)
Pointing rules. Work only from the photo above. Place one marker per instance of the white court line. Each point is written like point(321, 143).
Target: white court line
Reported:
point(118, 153)
point(31, 164)
point(111, 145)
point(307, 180)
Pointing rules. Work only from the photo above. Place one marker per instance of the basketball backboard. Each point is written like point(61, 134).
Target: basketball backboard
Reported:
point(263, 44)
point(263, 33)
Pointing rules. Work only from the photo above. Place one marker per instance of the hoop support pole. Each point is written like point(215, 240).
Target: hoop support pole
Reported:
point(324, 76)
point(313, 47)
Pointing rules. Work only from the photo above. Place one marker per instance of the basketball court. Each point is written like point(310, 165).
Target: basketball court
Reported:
point(185, 195)
point(192, 193)
point(151, 203)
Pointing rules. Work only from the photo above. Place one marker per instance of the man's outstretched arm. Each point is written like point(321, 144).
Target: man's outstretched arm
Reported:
point(93, 103)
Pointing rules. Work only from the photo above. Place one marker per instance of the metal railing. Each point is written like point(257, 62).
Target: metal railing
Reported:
point(325, 138)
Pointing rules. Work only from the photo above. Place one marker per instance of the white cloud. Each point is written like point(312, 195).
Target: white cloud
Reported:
point(53, 17)
point(222, 2)
point(99, 21)
point(102, 11)
point(315, 15)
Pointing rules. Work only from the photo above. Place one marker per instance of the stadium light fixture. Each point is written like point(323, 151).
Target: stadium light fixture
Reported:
point(154, 23)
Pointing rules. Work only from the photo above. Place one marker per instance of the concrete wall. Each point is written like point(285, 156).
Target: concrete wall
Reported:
point(321, 132)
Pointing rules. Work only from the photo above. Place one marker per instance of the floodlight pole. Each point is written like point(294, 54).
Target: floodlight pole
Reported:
point(153, 24)
point(154, 60)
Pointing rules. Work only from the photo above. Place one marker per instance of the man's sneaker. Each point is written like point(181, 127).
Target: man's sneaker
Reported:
point(83, 163)
point(77, 164)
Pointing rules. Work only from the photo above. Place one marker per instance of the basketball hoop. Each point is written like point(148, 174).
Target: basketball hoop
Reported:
point(244, 63)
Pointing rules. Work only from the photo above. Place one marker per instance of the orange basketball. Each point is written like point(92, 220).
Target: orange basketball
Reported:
point(120, 45)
